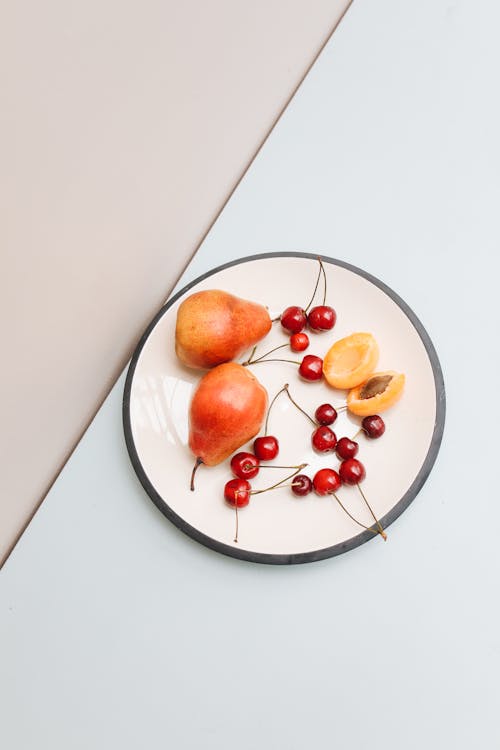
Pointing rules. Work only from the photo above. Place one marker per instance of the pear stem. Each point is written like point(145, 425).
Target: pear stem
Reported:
point(379, 525)
point(352, 517)
point(299, 407)
point(315, 289)
point(279, 484)
point(195, 467)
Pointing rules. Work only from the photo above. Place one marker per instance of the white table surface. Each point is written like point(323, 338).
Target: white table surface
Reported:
point(116, 630)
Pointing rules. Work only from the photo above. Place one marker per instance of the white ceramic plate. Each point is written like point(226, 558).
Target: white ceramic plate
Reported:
point(277, 527)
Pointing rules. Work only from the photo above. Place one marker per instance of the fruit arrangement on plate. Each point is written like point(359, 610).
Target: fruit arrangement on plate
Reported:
point(252, 391)
point(230, 407)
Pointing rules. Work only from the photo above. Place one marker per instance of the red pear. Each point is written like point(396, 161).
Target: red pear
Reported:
point(227, 409)
point(214, 327)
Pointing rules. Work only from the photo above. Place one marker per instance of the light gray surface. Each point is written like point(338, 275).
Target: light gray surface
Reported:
point(116, 630)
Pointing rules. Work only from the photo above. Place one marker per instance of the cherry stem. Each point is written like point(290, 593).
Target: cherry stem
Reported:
point(251, 355)
point(299, 407)
point(358, 432)
point(270, 406)
point(292, 484)
point(280, 484)
point(379, 525)
point(257, 361)
point(251, 361)
point(236, 494)
point(248, 466)
point(324, 278)
point(351, 516)
point(272, 466)
point(197, 463)
point(315, 288)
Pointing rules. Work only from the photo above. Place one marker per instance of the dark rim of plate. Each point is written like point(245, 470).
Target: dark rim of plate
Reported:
point(336, 549)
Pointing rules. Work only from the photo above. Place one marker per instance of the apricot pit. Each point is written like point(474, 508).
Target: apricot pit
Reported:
point(378, 393)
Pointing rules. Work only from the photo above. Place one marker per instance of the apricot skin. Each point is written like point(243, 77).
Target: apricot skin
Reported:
point(380, 402)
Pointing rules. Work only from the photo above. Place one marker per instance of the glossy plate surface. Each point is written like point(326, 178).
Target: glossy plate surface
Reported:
point(277, 527)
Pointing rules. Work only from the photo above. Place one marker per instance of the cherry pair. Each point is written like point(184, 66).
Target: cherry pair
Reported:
point(237, 491)
point(294, 319)
point(373, 427)
point(319, 318)
point(326, 481)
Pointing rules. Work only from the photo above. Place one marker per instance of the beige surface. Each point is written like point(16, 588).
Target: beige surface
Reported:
point(123, 128)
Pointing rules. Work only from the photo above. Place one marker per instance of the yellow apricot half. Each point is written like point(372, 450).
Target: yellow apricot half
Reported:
point(380, 391)
point(350, 360)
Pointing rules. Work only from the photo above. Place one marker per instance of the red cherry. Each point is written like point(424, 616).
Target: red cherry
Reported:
point(326, 481)
point(245, 465)
point(373, 426)
point(266, 447)
point(322, 318)
point(324, 439)
point(299, 342)
point(346, 448)
point(237, 492)
point(325, 414)
point(293, 319)
point(311, 367)
point(301, 485)
point(352, 471)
